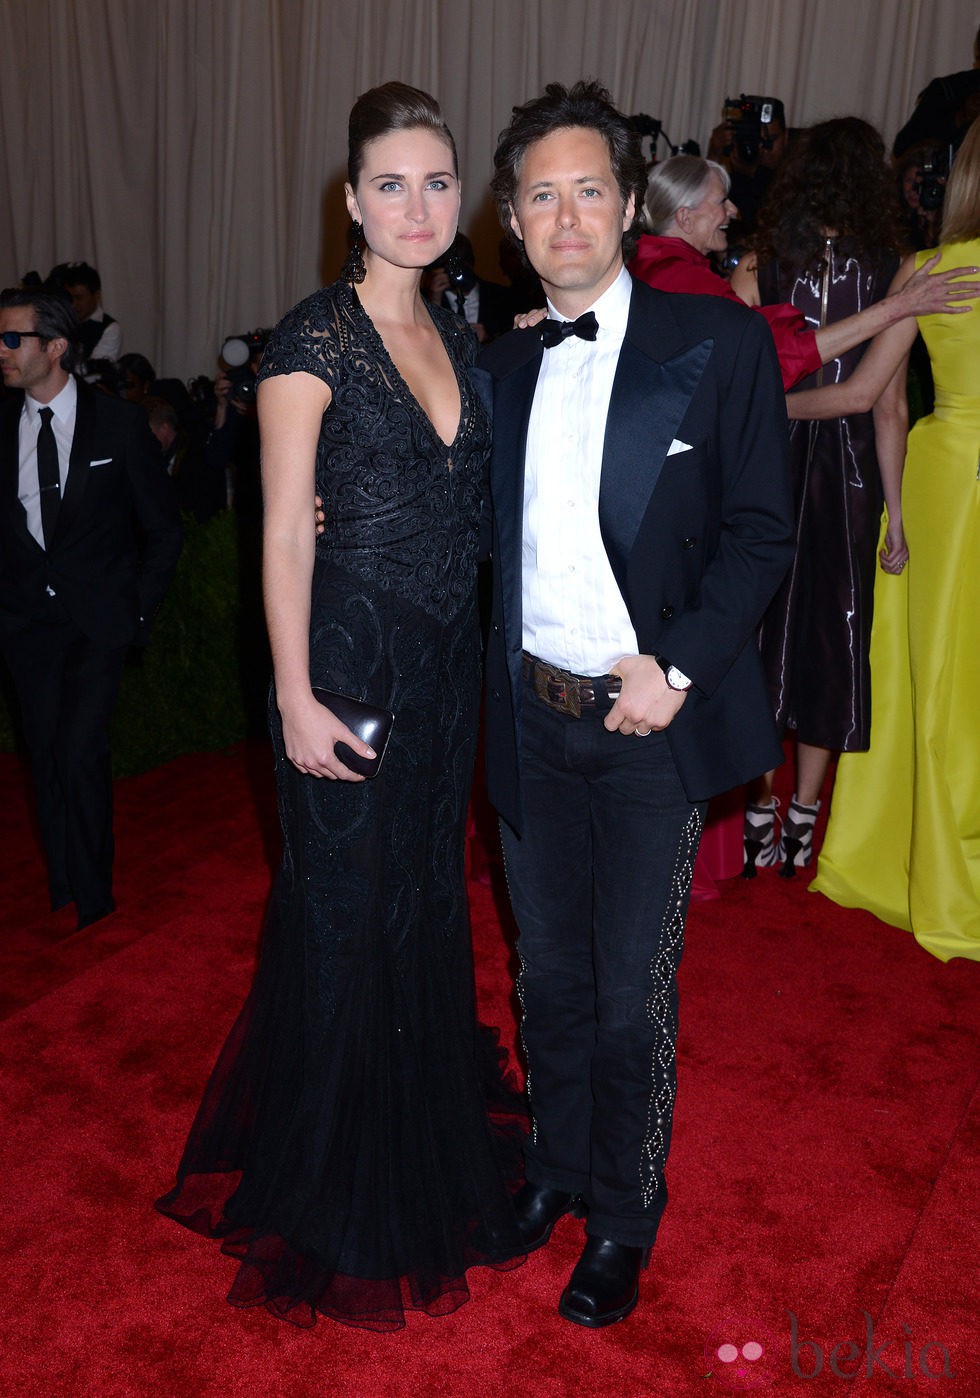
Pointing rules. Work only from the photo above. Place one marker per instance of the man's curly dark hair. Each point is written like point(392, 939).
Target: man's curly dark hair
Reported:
point(833, 179)
point(587, 103)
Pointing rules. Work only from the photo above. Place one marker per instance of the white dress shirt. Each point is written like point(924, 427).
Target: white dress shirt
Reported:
point(63, 427)
point(573, 611)
point(110, 341)
point(470, 307)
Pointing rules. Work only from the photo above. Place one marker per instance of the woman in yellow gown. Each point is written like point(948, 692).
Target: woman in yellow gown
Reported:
point(904, 834)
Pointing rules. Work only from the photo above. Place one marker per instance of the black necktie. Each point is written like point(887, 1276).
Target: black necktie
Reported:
point(554, 331)
point(48, 475)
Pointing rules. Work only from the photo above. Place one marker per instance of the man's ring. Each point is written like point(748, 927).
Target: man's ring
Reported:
point(638, 734)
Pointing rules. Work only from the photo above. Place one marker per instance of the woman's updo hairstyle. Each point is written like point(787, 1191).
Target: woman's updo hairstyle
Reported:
point(392, 107)
point(680, 182)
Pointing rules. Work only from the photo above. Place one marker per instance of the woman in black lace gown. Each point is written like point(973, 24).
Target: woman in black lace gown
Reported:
point(355, 1143)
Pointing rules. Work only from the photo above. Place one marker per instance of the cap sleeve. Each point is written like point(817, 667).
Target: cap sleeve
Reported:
point(305, 341)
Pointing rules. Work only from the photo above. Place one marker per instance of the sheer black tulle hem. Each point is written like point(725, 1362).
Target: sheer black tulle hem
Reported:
point(298, 1289)
point(416, 1260)
point(295, 1289)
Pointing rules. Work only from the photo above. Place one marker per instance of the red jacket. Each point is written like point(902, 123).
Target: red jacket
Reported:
point(671, 264)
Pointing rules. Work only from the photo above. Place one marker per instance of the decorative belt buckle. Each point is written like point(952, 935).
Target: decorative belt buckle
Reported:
point(541, 683)
point(573, 698)
point(564, 698)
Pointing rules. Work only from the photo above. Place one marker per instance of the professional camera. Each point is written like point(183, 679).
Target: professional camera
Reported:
point(201, 391)
point(107, 375)
point(645, 125)
point(748, 115)
point(237, 352)
point(930, 185)
point(651, 127)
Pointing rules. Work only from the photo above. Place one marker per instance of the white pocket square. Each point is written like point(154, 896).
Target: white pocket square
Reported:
point(677, 445)
point(107, 461)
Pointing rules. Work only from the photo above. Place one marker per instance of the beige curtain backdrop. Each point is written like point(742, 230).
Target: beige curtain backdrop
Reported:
point(194, 150)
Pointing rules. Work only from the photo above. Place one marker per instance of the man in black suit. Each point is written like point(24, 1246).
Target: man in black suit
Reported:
point(89, 540)
point(944, 109)
point(488, 307)
point(642, 520)
point(99, 333)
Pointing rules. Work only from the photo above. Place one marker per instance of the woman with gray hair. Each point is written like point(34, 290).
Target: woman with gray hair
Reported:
point(679, 184)
point(687, 210)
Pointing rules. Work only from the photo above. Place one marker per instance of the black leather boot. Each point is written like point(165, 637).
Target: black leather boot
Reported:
point(539, 1209)
point(605, 1285)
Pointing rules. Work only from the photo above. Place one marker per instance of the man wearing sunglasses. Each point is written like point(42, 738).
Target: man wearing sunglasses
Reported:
point(89, 539)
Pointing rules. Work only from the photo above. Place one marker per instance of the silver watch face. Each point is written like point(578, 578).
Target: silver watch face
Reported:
point(677, 680)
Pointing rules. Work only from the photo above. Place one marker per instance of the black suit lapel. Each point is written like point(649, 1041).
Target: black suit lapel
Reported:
point(512, 364)
point(656, 378)
point(10, 451)
point(10, 468)
point(78, 462)
point(512, 410)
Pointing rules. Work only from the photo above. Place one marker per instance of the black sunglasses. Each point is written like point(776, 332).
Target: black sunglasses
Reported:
point(12, 338)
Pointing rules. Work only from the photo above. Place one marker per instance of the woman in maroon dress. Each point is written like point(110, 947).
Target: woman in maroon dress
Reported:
point(828, 242)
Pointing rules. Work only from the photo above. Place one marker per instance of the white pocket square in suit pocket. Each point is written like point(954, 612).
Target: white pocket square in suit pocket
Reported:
point(107, 461)
point(677, 445)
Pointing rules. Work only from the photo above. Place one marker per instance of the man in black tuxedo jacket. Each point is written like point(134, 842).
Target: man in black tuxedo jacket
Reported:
point(642, 520)
point(486, 306)
point(89, 540)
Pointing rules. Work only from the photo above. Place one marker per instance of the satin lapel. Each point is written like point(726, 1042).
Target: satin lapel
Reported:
point(78, 462)
point(648, 403)
point(512, 408)
point(10, 450)
point(10, 465)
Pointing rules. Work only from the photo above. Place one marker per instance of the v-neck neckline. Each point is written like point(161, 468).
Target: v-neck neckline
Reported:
point(398, 377)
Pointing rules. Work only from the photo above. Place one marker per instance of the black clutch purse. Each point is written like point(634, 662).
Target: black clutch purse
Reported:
point(372, 726)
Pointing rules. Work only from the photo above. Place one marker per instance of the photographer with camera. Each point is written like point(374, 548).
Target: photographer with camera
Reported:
point(200, 488)
point(233, 442)
point(487, 307)
point(238, 365)
point(749, 141)
point(922, 174)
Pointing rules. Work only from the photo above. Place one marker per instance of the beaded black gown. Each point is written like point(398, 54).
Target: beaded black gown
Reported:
point(357, 1144)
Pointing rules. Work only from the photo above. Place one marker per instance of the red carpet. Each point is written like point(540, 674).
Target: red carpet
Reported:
point(823, 1175)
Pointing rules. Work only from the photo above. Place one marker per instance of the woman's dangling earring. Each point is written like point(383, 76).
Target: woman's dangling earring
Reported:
point(453, 264)
point(354, 269)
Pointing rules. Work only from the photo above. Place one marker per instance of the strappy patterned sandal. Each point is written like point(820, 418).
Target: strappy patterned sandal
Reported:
point(761, 848)
point(796, 842)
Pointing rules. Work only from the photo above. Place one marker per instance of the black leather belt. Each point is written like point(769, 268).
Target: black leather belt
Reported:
point(565, 692)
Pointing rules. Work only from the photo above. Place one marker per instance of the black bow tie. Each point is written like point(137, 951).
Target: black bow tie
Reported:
point(554, 331)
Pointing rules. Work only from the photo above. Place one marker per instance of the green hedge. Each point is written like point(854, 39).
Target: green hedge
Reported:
point(200, 684)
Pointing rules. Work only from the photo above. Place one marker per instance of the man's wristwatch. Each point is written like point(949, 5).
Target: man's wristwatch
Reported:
point(676, 679)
